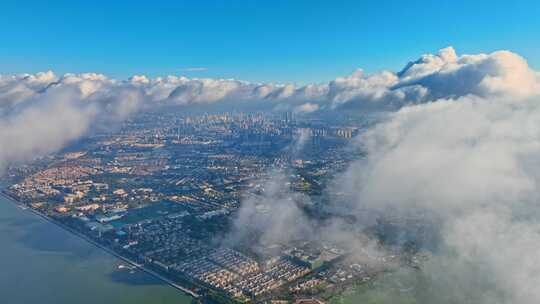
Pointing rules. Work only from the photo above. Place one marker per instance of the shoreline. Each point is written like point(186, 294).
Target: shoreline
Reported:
point(100, 246)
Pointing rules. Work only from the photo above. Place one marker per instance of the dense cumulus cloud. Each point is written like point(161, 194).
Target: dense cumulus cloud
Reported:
point(473, 162)
point(465, 157)
point(444, 75)
point(40, 113)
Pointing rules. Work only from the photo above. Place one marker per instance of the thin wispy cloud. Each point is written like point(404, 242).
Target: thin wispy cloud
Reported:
point(194, 69)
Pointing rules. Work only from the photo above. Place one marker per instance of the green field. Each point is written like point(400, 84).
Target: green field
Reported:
point(399, 287)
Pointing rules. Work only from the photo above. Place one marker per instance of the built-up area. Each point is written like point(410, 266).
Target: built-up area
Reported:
point(163, 190)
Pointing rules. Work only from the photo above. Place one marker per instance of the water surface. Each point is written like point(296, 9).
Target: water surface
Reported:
point(42, 263)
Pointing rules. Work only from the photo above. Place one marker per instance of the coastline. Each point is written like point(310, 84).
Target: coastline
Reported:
point(100, 246)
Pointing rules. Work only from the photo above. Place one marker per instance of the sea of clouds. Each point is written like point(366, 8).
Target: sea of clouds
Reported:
point(460, 140)
point(40, 113)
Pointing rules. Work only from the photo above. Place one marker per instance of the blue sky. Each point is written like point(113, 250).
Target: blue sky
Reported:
point(285, 41)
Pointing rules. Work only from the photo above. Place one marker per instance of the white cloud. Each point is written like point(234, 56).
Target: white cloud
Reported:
point(464, 144)
point(306, 108)
point(448, 76)
point(49, 112)
point(444, 75)
point(474, 163)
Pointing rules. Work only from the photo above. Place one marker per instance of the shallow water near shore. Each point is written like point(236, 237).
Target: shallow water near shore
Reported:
point(43, 263)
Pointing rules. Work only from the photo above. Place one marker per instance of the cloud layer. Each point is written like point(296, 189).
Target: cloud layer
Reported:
point(40, 113)
point(443, 75)
point(462, 141)
point(473, 162)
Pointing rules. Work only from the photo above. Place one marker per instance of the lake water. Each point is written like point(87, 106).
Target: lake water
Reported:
point(42, 263)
